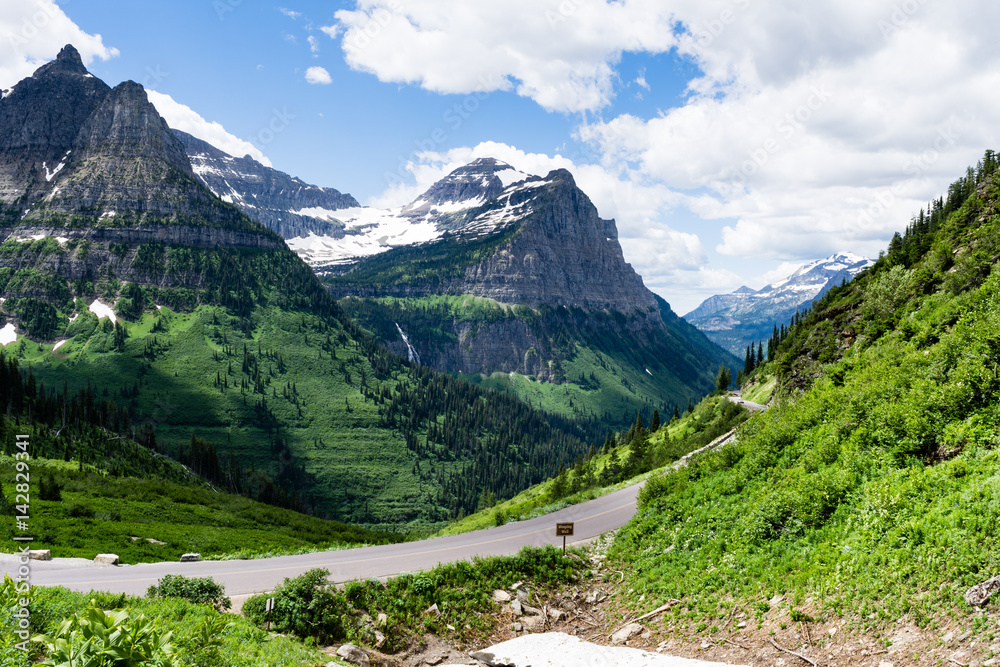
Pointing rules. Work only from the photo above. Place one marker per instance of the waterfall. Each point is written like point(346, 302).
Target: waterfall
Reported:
point(411, 354)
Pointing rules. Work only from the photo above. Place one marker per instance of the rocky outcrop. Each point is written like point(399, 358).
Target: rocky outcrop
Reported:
point(269, 196)
point(563, 254)
point(40, 120)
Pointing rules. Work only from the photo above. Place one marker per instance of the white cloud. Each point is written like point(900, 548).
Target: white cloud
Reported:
point(818, 127)
point(33, 31)
point(560, 53)
point(313, 43)
point(185, 119)
point(318, 75)
point(289, 13)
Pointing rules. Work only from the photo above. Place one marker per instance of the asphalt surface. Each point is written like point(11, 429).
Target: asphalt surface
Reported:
point(242, 577)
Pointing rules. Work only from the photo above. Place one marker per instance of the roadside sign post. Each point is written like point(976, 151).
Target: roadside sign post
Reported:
point(562, 530)
point(268, 607)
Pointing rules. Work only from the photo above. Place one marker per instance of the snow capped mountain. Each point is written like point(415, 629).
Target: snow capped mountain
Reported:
point(746, 315)
point(271, 197)
point(480, 198)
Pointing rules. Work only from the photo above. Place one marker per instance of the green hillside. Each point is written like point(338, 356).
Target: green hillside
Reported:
point(869, 492)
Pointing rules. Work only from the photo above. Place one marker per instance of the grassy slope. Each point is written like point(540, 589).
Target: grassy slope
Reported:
point(873, 494)
point(102, 514)
point(340, 446)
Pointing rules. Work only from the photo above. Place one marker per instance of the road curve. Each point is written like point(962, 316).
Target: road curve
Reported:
point(242, 577)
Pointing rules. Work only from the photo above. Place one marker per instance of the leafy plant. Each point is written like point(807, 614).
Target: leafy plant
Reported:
point(98, 638)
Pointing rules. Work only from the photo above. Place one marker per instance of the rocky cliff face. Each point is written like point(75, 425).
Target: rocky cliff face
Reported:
point(545, 280)
point(563, 253)
point(271, 197)
point(40, 120)
point(98, 172)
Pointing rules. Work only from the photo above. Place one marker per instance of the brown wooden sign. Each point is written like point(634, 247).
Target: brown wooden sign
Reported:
point(564, 529)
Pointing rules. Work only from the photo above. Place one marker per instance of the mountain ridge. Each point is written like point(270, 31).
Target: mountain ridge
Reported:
point(747, 316)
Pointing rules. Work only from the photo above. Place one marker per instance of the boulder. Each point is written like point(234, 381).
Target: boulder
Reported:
point(106, 559)
point(381, 620)
point(190, 558)
point(980, 593)
point(626, 633)
point(352, 653)
point(40, 554)
point(501, 596)
point(433, 610)
point(379, 639)
point(515, 607)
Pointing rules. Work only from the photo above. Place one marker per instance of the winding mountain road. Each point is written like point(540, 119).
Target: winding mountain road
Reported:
point(242, 577)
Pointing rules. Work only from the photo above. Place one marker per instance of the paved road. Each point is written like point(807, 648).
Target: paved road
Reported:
point(252, 576)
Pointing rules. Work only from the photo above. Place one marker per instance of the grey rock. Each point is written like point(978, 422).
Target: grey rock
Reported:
point(515, 607)
point(106, 559)
point(556, 614)
point(379, 639)
point(626, 633)
point(522, 594)
point(190, 558)
point(433, 610)
point(978, 595)
point(533, 623)
point(381, 620)
point(352, 653)
point(40, 554)
point(501, 596)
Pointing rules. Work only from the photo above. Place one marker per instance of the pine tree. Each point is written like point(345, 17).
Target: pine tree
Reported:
point(723, 379)
point(654, 423)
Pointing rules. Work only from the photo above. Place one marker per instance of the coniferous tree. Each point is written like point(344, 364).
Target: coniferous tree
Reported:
point(654, 423)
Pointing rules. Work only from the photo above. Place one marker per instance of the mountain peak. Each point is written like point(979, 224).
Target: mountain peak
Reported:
point(475, 183)
point(67, 62)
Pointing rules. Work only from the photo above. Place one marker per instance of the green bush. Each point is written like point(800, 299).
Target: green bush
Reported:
point(307, 606)
point(200, 590)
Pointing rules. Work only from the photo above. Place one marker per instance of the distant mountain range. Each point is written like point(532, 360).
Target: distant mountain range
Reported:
point(747, 316)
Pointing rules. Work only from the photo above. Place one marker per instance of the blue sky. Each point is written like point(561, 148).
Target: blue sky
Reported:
point(729, 139)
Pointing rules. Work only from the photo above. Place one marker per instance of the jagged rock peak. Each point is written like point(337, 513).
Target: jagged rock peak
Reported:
point(482, 179)
point(67, 62)
point(127, 125)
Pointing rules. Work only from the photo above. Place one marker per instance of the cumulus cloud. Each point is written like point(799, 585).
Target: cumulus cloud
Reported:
point(821, 127)
point(560, 53)
point(33, 31)
point(318, 75)
point(186, 119)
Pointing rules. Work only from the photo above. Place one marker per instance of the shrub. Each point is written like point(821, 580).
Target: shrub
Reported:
point(200, 590)
point(307, 606)
point(79, 511)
